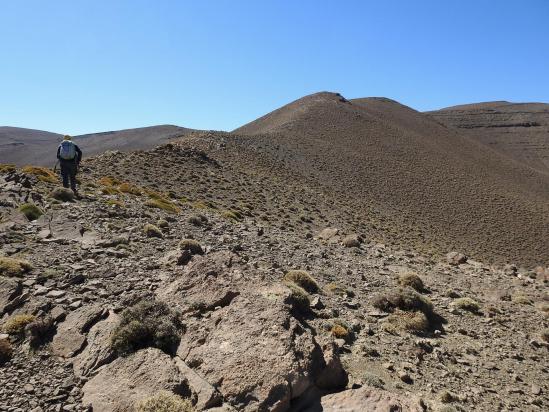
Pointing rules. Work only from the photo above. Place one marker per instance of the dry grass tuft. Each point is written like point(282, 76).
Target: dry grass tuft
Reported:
point(411, 280)
point(414, 322)
point(14, 267)
point(7, 168)
point(152, 231)
point(521, 299)
point(467, 304)
point(299, 298)
point(302, 279)
point(62, 194)
point(337, 289)
point(130, 189)
point(192, 246)
point(164, 401)
point(109, 181)
point(31, 211)
point(232, 215)
point(404, 299)
point(16, 324)
point(42, 173)
point(340, 330)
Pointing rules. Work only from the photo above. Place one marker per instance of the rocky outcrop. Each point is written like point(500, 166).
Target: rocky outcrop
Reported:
point(10, 289)
point(125, 381)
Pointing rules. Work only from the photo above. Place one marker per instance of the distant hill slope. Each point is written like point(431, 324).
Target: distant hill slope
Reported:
point(404, 171)
point(27, 146)
point(519, 130)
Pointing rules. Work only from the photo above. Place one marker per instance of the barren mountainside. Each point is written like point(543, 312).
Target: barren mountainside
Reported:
point(519, 130)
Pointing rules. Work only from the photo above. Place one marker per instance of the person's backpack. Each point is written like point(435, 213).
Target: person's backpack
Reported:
point(67, 150)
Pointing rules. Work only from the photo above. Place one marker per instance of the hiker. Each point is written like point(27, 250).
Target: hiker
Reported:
point(69, 155)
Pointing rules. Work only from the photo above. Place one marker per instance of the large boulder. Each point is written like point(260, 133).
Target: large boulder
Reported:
point(250, 347)
point(125, 381)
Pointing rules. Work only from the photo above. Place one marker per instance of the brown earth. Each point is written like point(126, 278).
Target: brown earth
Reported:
point(518, 130)
point(401, 170)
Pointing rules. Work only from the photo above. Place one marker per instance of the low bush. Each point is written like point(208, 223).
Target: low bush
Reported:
point(302, 279)
point(299, 298)
point(165, 401)
point(340, 330)
point(12, 267)
point(16, 324)
point(192, 246)
point(147, 324)
point(152, 231)
point(31, 211)
point(414, 322)
point(404, 299)
point(337, 289)
point(467, 304)
point(42, 173)
point(411, 280)
point(197, 220)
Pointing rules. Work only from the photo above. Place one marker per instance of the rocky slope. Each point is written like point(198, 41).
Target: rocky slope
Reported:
point(518, 130)
point(36, 147)
point(425, 183)
point(176, 271)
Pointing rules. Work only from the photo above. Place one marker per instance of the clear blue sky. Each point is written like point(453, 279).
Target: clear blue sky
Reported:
point(80, 66)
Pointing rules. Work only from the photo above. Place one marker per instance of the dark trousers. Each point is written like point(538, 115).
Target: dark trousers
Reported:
point(68, 173)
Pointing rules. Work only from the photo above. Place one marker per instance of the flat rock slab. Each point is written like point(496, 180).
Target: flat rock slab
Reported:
point(369, 399)
point(10, 289)
point(70, 336)
point(127, 380)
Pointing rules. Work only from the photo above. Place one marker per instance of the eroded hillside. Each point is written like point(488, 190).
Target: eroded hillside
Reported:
point(212, 270)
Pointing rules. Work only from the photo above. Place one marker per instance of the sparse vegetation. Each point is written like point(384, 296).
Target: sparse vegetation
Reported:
point(411, 280)
point(414, 322)
point(467, 304)
point(16, 324)
point(6, 351)
point(115, 203)
point(158, 201)
point(337, 289)
point(7, 168)
point(232, 215)
point(521, 299)
point(152, 230)
point(42, 173)
point(299, 298)
point(165, 401)
point(192, 246)
point(109, 181)
point(197, 220)
point(147, 324)
point(373, 380)
point(39, 331)
point(404, 299)
point(130, 189)
point(302, 279)
point(31, 211)
point(12, 267)
point(340, 330)
point(62, 194)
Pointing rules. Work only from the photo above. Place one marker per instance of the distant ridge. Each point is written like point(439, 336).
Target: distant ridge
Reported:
point(28, 146)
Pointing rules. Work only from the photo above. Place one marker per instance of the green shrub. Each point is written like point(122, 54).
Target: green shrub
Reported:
point(16, 324)
point(12, 267)
point(164, 401)
point(411, 280)
point(147, 324)
point(302, 279)
point(152, 231)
